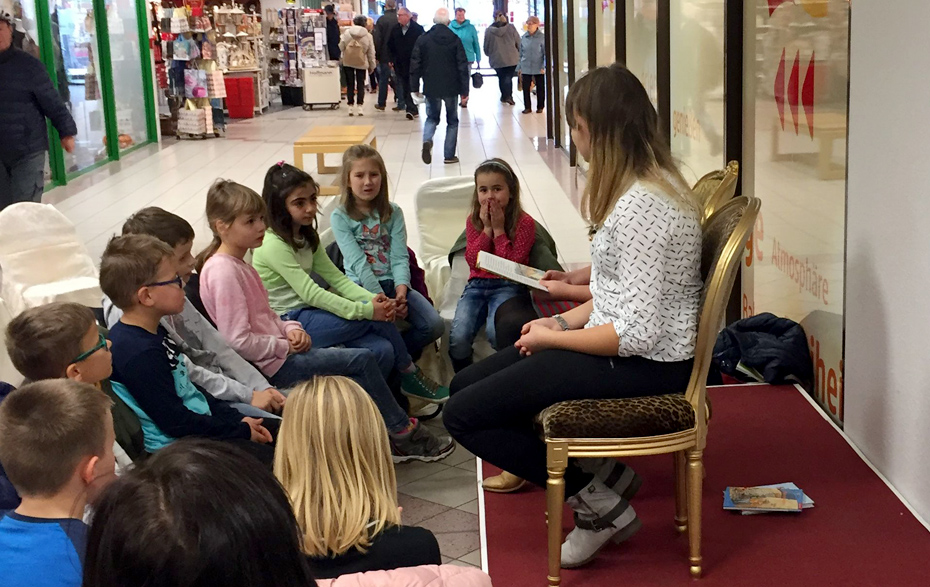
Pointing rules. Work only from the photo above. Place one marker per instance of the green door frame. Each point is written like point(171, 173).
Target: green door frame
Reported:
point(60, 176)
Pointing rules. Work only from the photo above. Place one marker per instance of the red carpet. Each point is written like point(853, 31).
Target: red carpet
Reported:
point(859, 533)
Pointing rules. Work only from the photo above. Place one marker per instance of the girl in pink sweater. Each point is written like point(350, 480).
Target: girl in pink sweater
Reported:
point(497, 225)
point(234, 296)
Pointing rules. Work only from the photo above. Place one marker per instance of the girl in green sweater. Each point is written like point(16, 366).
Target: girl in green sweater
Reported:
point(351, 315)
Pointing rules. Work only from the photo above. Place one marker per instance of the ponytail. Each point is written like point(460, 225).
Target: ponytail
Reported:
point(208, 252)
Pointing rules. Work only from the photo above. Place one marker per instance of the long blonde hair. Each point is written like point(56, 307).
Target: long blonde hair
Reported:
point(334, 461)
point(226, 201)
point(626, 141)
point(382, 202)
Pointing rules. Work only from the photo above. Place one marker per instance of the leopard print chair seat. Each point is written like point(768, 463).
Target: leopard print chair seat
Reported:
point(617, 418)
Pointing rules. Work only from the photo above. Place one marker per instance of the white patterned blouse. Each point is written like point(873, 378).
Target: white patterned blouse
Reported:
point(646, 275)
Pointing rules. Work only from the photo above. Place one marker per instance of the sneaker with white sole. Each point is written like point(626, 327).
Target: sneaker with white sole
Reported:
point(419, 444)
point(421, 386)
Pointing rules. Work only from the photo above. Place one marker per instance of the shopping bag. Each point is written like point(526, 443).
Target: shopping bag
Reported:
point(192, 122)
point(477, 80)
point(195, 83)
point(216, 85)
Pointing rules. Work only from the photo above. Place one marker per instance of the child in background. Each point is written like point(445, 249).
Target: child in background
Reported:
point(57, 469)
point(237, 301)
point(352, 316)
point(212, 365)
point(372, 235)
point(334, 463)
point(497, 225)
point(61, 340)
point(138, 273)
point(199, 514)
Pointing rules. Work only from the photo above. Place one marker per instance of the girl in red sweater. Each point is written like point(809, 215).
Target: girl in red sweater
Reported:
point(498, 225)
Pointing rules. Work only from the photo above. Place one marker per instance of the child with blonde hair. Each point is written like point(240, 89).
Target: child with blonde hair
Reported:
point(334, 461)
point(372, 236)
point(236, 299)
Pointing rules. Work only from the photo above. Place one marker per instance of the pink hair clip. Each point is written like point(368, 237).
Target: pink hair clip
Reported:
point(280, 163)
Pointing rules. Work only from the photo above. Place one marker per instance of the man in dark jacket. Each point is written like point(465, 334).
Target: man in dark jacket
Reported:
point(382, 34)
point(439, 58)
point(332, 42)
point(403, 38)
point(27, 97)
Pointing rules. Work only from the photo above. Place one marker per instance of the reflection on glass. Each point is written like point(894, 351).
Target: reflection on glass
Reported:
point(563, 77)
point(796, 68)
point(78, 65)
point(697, 85)
point(605, 21)
point(127, 73)
point(641, 44)
point(581, 37)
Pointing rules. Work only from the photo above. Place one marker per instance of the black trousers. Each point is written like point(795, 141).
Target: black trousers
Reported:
point(540, 80)
point(355, 77)
point(505, 81)
point(510, 318)
point(262, 452)
point(494, 402)
point(402, 75)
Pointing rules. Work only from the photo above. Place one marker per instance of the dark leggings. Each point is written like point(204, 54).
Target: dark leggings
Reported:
point(510, 318)
point(494, 402)
point(355, 85)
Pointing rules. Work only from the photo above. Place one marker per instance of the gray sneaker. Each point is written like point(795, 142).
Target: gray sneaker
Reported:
point(420, 444)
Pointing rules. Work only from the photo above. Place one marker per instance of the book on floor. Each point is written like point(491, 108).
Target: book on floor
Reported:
point(781, 497)
point(507, 269)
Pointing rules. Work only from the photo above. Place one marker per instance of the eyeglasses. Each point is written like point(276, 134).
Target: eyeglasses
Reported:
point(177, 280)
point(102, 343)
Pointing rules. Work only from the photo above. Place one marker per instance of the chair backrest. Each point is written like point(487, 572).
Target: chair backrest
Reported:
point(38, 245)
point(716, 188)
point(724, 238)
point(442, 205)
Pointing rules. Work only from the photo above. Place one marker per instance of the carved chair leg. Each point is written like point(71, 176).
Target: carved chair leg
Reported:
point(681, 492)
point(557, 462)
point(695, 487)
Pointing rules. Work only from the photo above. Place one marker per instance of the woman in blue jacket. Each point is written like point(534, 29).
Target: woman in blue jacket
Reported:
point(533, 65)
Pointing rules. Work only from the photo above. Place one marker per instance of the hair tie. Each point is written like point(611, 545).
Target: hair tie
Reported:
point(280, 163)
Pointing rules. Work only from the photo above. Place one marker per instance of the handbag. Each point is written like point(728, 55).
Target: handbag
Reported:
point(477, 80)
point(195, 83)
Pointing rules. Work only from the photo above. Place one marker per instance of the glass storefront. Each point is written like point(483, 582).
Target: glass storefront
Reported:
point(696, 85)
point(641, 47)
point(605, 20)
point(794, 160)
point(93, 52)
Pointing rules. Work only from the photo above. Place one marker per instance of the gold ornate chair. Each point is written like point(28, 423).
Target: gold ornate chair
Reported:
point(672, 423)
point(716, 188)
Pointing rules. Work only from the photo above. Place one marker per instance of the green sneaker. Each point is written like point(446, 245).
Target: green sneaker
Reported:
point(418, 385)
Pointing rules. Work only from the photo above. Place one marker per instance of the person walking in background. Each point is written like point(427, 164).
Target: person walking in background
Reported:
point(532, 66)
point(27, 98)
point(332, 42)
point(467, 32)
point(502, 46)
point(403, 39)
point(439, 59)
point(382, 34)
point(358, 58)
point(373, 76)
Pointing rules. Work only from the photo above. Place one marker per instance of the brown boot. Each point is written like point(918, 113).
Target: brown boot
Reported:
point(503, 483)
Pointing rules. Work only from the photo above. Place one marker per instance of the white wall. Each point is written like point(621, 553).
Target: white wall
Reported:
point(888, 250)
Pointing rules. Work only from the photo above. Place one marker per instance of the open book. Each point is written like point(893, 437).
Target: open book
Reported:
point(528, 276)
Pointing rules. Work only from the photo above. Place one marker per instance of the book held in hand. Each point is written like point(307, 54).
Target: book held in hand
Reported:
point(507, 269)
point(782, 497)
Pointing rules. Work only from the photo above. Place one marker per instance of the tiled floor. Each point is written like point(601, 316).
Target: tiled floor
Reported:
point(440, 496)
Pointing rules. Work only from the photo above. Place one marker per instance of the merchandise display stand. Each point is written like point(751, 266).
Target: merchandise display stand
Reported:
point(195, 86)
point(245, 53)
point(319, 75)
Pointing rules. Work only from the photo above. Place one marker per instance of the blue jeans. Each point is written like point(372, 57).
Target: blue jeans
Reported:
point(381, 338)
point(426, 324)
point(359, 364)
point(433, 110)
point(478, 304)
point(384, 79)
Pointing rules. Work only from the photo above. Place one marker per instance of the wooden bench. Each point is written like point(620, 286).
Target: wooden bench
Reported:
point(323, 140)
